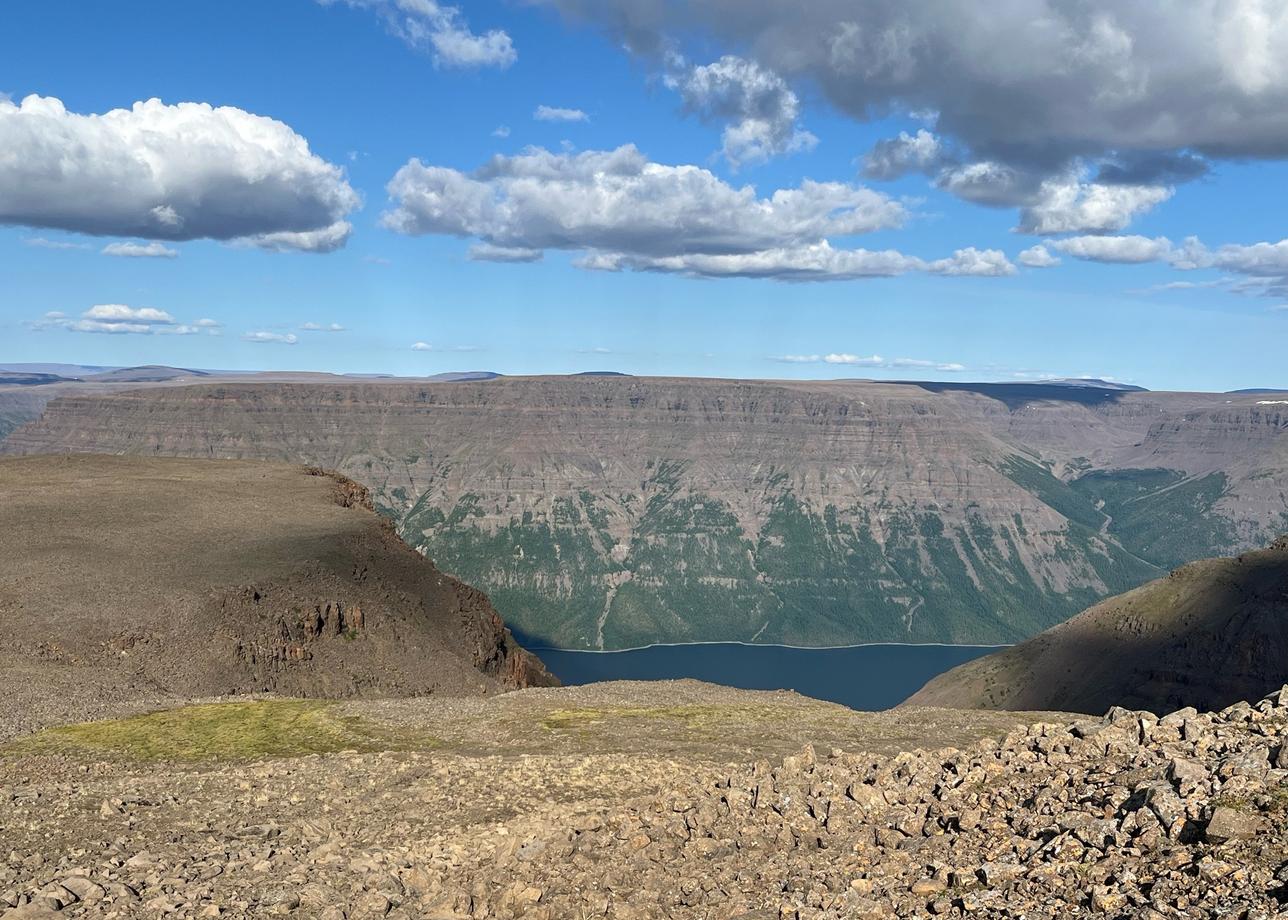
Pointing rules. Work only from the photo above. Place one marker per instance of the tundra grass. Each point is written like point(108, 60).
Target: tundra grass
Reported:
point(254, 730)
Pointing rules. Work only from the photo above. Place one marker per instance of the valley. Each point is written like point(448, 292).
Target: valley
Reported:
point(614, 512)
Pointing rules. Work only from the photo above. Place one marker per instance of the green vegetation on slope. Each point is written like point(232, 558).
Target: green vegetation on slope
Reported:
point(224, 731)
point(682, 568)
point(1160, 515)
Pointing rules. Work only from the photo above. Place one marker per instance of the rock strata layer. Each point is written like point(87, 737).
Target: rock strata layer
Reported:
point(613, 512)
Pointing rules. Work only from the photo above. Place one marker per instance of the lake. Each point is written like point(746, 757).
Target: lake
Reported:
point(861, 677)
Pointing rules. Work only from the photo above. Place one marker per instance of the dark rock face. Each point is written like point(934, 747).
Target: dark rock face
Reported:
point(1207, 635)
point(211, 577)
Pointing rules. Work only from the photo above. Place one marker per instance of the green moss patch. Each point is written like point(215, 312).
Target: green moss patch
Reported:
point(251, 730)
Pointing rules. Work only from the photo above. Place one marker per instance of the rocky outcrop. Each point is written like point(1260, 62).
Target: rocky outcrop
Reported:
point(1208, 634)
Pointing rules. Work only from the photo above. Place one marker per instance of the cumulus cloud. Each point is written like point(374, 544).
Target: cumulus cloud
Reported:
point(1122, 249)
point(622, 211)
point(1039, 85)
point(1071, 206)
point(169, 172)
point(760, 109)
point(1258, 269)
point(501, 131)
point(876, 361)
point(893, 157)
point(271, 338)
point(1037, 257)
point(152, 250)
point(322, 327)
point(554, 113)
point(427, 25)
point(119, 319)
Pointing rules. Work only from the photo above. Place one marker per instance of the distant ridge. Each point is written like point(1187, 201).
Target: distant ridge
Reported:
point(601, 374)
point(29, 379)
point(456, 376)
point(1094, 383)
point(70, 371)
point(148, 373)
point(1256, 391)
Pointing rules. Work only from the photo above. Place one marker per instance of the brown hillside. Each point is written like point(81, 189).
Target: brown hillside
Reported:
point(192, 577)
point(1209, 634)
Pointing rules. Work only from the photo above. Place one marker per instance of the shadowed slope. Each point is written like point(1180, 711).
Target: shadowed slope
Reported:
point(1209, 634)
point(136, 576)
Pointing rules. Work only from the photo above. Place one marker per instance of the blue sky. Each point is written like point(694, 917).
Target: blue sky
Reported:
point(651, 270)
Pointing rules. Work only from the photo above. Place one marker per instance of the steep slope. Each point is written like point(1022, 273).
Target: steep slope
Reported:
point(147, 576)
point(612, 512)
point(1207, 635)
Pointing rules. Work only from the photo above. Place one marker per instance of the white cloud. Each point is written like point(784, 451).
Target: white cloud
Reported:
point(115, 312)
point(119, 319)
point(1122, 249)
point(981, 263)
point(1063, 203)
point(271, 338)
point(39, 242)
point(894, 157)
point(152, 250)
point(623, 211)
point(1037, 257)
point(1036, 85)
point(328, 239)
point(322, 327)
point(169, 172)
point(1263, 260)
point(553, 113)
point(874, 361)
point(1255, 269)
point(760, 108)
point(501, 131)
point(486, 252)
point(425, 346)
point(1067, 205)
point(208, 324)
point(427, 25)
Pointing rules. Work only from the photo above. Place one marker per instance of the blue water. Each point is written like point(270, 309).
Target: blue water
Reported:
point(861, 677)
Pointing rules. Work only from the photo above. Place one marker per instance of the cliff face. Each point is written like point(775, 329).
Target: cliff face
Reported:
point(611, 512)
point(1209, 634)
point(201, 578)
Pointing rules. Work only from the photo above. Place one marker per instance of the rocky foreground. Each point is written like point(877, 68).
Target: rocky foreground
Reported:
point(584, 811)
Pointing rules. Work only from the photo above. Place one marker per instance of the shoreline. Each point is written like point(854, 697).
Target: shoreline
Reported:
point(798, 648)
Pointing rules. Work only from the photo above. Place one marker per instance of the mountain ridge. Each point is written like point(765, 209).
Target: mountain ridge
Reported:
point(805, 513)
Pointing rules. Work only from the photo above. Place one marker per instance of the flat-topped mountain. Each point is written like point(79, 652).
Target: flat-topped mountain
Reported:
point(136, 576)
point(1209, 634)
point(150, 373)
point(607, 512)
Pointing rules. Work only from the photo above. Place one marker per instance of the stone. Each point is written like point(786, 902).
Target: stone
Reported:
point(1229, 824)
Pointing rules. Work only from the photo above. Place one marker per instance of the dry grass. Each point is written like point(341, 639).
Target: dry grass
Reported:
point(253, 730)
